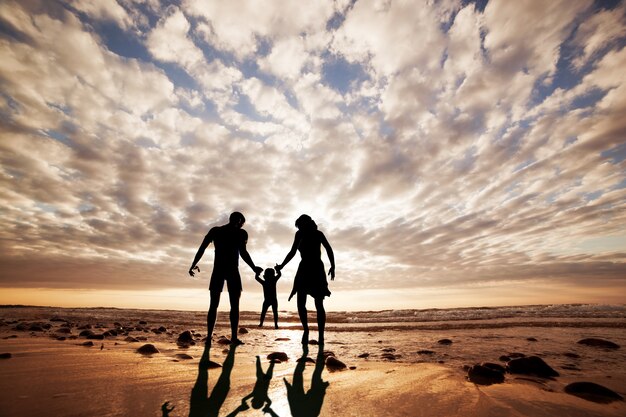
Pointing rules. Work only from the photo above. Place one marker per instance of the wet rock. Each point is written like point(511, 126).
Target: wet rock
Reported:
point(494, 366)
point(571, 355)
point(223, 341)
point(64, 330)
point(282, 339)
point(593, 392)
point(143, 322)
point(110, 333)
point(515, 355)
point(243, 330)
point(389, 350)
point(86, 333)
point(61, 338)
point(147, 349)
point(162, 329)
point(444, 342)
point(531, 339)
point(364, 355)
point(281, 356)
point(334, 364)
point(389, 356)
point(306, 360)
point(425, 352)
point(313, 342)
point(131, 339)
point(183, 356)
point(185, 338)
point(5, 356)
point(87, 344)
point(96, 336)
point(601, 343)
point(35, 328)
point(484, 375)
point(504, 358)
point(532, 365)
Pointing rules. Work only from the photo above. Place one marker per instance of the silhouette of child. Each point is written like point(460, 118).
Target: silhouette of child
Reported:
point(269, 293)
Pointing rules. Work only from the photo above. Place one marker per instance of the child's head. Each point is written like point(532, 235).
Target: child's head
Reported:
point(268, 273)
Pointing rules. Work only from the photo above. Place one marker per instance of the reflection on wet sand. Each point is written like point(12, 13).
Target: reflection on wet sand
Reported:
point(307, 404)
point(202, 404)
point(259, 392)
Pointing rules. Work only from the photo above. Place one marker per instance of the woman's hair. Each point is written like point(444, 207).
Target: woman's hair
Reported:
point(305, 222)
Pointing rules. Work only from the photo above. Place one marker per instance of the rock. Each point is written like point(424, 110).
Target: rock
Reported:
point(86, 333)
point(147, 349)
point(64, 330)
point(143, 322)
point(444, 342)
point(313, 342)
point(389, 350)
point(334, 364)
point(162, 329)
point(61, 338)
point(185, 338)
point(593, 392)
point(306, 360)
point(21, 327)
point(281, 356)
point(88, 344)
point(494, 366)
point(352, 368)
point(484, 375)
point(504, 358)
point(282, 339)
point(389, 356)
point(5, 355)
point(531, 339)
point(12, 336)
point(84, 326)
point(35, 328)
point(364, 355)
point(96, 336)
point(532, 365)
point(601, 343)
point(56, 318)
point(243, 330)
point(515, 355)
point(223, 341)
point(571, 367)
point(110, 333)
point(571, 355)
point(183, 356)
point(131, 339)
point(425, 352)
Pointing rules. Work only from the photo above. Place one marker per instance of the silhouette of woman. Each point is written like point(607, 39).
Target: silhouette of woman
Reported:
point(311, 277)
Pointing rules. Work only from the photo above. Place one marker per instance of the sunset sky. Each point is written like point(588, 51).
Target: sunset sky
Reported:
point(454, 153)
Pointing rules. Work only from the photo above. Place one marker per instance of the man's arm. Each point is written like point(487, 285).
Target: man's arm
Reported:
point(205, 243)
point(243, 252)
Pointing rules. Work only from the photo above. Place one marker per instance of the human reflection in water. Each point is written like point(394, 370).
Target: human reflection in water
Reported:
point(259, 392)
point(202, 404)
point(307, 404)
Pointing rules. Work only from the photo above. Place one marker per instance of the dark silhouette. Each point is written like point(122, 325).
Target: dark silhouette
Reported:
point(202, 404)
point(307, 404)
point(269, 294)
point(311, 277)
point(259, 392)
point(230, 243)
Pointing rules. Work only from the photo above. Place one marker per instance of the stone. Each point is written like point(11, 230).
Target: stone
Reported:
point(131, 339)
point(86, 333)
point(593, 392)
point(96, 336)
point(389, 356)
point(306, 360)
point(64, 330)
point(282, 339)
point(496, 367)
point(504, 358)
point(147, 349)
point(185, 338)
point(281, 356)
point(5, 355)
point(35, 328)
point(88, 344)
point(162, 329)
point(110, 333)
point(334, 364)
point(601, 343)
point(183, 356)
point(389, 350)
point(531, 339)
point(571, 355)
point(243, 330)
point(532, 365)
point(425, 352)
point(515, 355)
point(445, 342)
point(364, 355)
point(483, 375)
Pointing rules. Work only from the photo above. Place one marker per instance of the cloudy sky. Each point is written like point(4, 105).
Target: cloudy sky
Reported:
point(454, 153)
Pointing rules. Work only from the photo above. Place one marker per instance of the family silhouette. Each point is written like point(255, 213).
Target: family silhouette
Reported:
point(230, 242)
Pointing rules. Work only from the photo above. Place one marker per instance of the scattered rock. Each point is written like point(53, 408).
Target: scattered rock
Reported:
point(243, 330)
point(110, 333)
point(162, 329)
point(601, 343)
point(147, 349)
point(96, 336)
point(483, 375)
point(389, 356)
point(389, 350)
point(313, 342)
point(425, 352)
point(352, 368)
point(88, 344)
point(64, 330)
point(593, 392)
point(282, 339)
point(571, 355)
point(531, 339)
point(445, 342)
point(515, 355)
point(504, 358)
point(185, 338)
point(223, 341)
point(183, 356)
point(86, 333)
point(5, 355)
point(334, 364)
point(143, 322)
point(131, 339)
point(61, 338)
point(35, 328)
point(364, 355)
point(281, 356)
point(307, 360)
point(494, 366)
point(532, 365)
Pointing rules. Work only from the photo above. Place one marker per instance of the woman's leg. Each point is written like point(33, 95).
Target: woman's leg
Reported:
point(303, 316)
point(321, 318)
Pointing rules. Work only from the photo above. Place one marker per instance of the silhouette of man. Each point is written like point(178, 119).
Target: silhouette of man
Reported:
point(230, 243)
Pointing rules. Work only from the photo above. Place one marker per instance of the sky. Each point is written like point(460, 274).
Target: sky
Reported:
point(454, 153)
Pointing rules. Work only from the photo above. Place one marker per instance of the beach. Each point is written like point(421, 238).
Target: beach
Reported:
point(397, 363)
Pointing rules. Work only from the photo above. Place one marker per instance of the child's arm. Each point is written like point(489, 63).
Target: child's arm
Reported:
point(258, 278)
point(278, 274)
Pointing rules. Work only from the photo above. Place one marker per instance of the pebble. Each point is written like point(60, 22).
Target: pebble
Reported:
point(334, 364)
point(532, 365)
point(593, 392)
point(147, 349)
point(281, 356)
point(364, 355)
point(484, 375)
point(601, 343)
point(445, 342)
point(5, 355)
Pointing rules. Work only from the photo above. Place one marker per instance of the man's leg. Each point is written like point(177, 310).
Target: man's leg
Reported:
point(234, 314)
point(321, 318)
point(212, 314)
point(303, 316)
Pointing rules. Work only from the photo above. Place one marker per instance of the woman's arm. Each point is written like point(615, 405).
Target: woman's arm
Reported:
point(331, 256)
point(292, 252)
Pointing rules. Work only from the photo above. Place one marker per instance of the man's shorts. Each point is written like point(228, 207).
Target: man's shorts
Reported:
point(232, 278)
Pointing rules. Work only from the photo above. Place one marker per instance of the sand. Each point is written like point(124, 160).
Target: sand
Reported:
point(45, 377)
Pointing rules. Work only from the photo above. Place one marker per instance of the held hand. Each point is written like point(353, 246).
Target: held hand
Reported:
point(192, 269)
point(257, 270)
point(331, 272)
point(278, 267)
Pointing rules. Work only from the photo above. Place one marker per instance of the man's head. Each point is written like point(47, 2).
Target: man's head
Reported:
point(237, 219)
